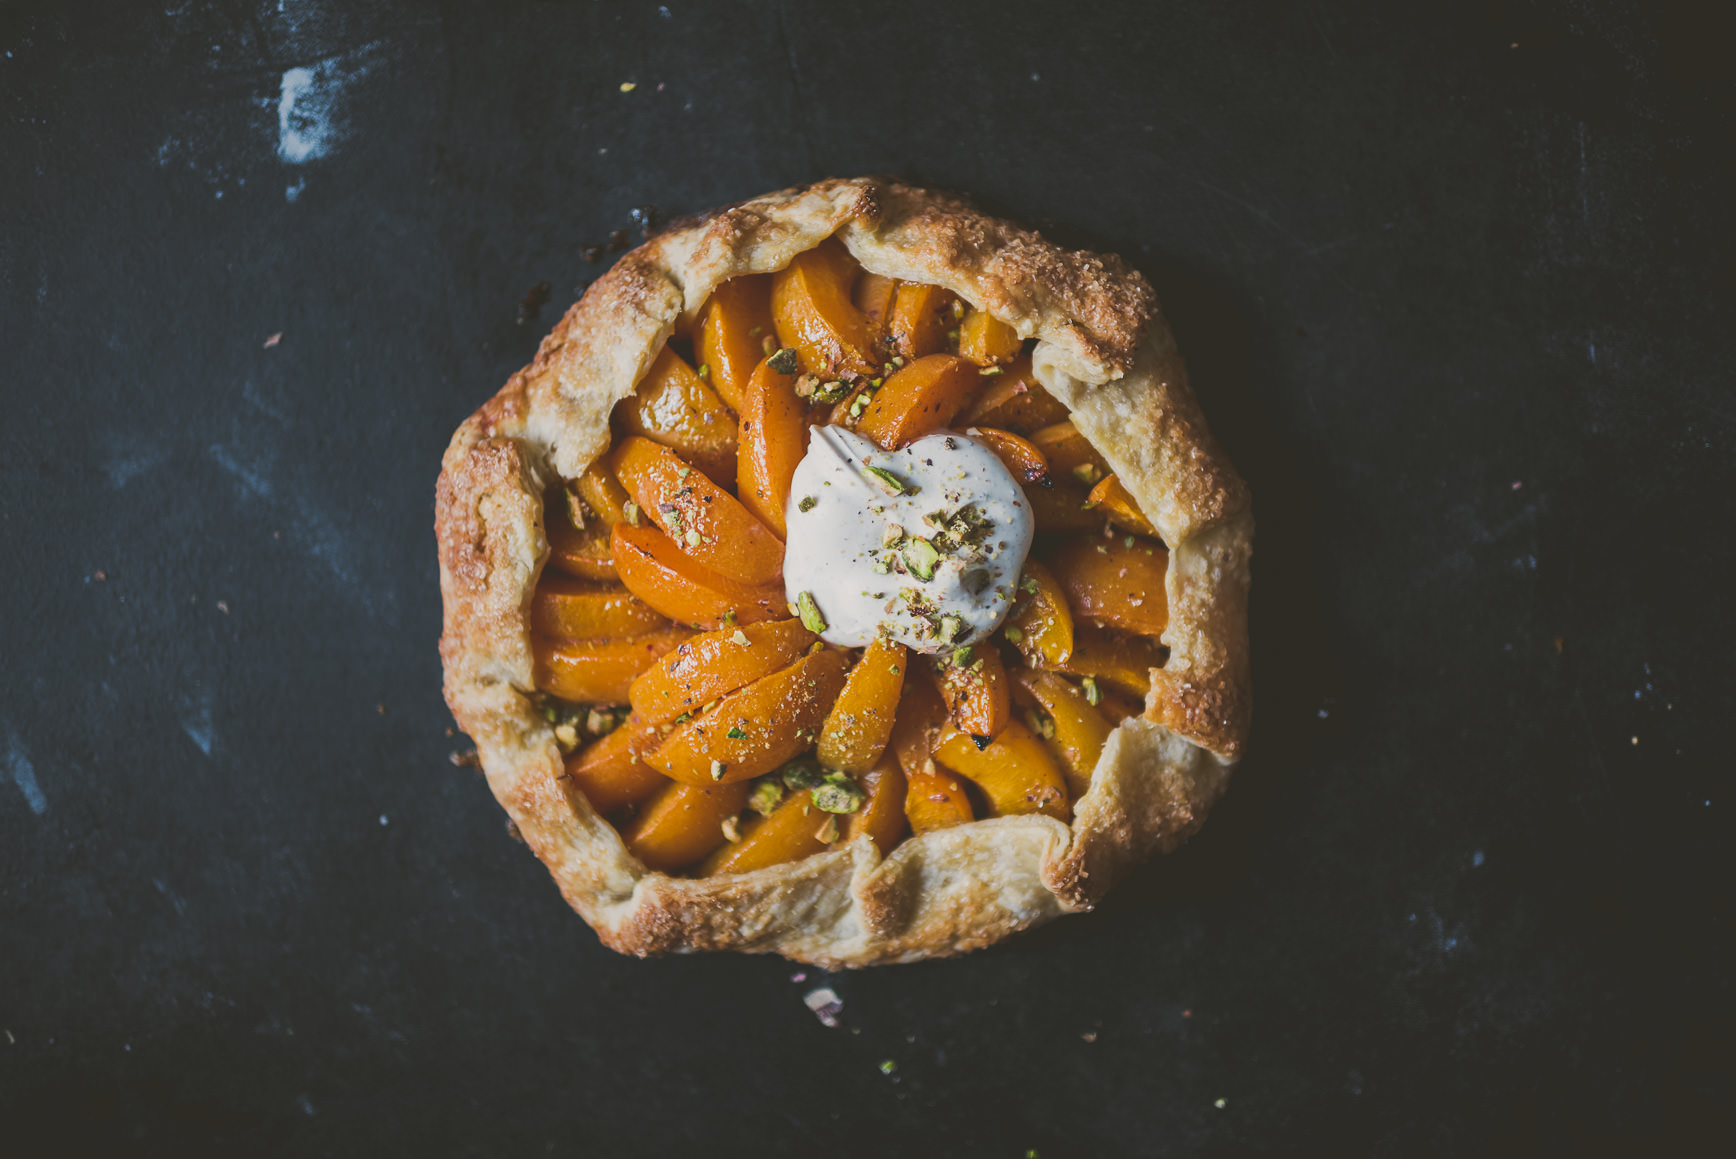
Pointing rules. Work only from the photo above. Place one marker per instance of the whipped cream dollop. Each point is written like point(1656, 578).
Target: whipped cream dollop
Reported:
point(923, 544)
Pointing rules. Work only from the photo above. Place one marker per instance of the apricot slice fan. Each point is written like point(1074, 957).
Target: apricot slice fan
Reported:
point(749, 743)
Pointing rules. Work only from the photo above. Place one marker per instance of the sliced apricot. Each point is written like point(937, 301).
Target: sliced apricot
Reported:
point(732, 331)
point(603, 493)
point(585, 553)
point(598, 671)
point(704, 520)
point(935, 800)
point(1015, 771)
point(774, 437)
point(576, 609)
point(682, 824)
point(1014, 400)
point(1070, 453)
point(1115, 583)
point(673, 406)
point(1118, 504)
point(1121, 660)
point(860, 723)
point(921, 316)
point(881, 816)
point(682, 588)
point(791, 833)
point(711, 665)
point(813, 313)
point(873, 296)
point(921, 712)
point(1079, 729)
point(1064, 506)
point(1017, 454)
point(986, 340)
point(1041, 625)
point(757, 728)
point(920, 399)
point(1115, 705)
point(975, 690)
point(610, 771)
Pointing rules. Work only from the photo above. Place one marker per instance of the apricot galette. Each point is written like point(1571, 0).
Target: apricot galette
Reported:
point(851, 576)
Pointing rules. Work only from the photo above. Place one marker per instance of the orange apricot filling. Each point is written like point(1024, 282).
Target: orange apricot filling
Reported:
point(696, 703)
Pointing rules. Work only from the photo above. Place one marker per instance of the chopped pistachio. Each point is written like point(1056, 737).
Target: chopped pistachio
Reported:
point(731, 828)
point(898, 360)
point(794, 611)
point(952, 335)
point(575, 508)
point(807, 503)
point(961, 656)
point(740, 637)
point(833, 391)
point(736, 733)
point(828, 831)
point(729, 617)
point(683, 718)
point(703, 370)
point(785, 361)
point(683, 471)
point(718, 768)
point(839, 794)
point(921, 558)
point(1093, 695)
point(630, 511)
point(766, 796)
point(894, 669)
point(891, 536)
point(950, 627)
point(566, 736)
point(600, 721)
point(809, 612)
point(694, 539)
point(989, 370)
point(800, 776)
point(1086, 473)
point(1014, 635)
point(888, 1066)
point(893, 484)
point(768, 344)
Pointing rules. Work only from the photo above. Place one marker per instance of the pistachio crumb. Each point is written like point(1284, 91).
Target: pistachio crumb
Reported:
point(718, 768)
point(731, 828)
point(807, 503)
point(784, 361)
point(630, 512)
point(740, 637)
point(828, 831)
point(1093, 695)
point(809, 612)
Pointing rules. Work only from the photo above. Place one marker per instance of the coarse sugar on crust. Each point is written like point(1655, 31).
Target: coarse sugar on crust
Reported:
point(1102, 348)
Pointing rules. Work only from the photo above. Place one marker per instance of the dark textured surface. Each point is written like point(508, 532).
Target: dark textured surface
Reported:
point(1457, 293)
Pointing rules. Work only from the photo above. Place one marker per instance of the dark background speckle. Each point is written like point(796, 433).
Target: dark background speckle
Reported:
point(1456, 288)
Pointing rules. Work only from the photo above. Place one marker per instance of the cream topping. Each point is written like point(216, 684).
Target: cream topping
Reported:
point(923, 544)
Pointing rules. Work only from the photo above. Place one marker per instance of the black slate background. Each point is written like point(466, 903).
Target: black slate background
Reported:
point(1456, 289)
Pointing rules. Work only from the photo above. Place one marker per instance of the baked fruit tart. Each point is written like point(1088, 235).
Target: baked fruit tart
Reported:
point(851, 576)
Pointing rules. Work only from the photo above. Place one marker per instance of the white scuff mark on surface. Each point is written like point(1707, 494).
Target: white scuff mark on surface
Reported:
point(309, 121)
point(197, 723)
point(291, 192)
point(311, 527)
point(24, 773)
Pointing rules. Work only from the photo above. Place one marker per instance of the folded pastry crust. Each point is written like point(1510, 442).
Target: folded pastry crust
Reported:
point(1102, 349)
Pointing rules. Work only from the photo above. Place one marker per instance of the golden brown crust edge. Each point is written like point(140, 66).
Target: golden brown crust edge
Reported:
point(1103, 349)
